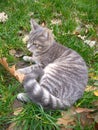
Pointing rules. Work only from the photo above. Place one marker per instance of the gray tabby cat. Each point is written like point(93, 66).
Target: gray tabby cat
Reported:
point(58, 78)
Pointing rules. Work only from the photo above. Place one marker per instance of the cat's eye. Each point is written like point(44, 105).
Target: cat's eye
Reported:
point(39, 47)
point(34, 43)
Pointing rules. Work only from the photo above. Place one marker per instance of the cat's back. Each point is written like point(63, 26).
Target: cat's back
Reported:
point(67, 58)
point(67, 74)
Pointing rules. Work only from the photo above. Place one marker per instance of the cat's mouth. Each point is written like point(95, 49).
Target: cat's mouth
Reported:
point(32, 48)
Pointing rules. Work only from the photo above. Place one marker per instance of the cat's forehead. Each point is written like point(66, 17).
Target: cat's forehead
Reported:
point(39, 34)
point(36, 32)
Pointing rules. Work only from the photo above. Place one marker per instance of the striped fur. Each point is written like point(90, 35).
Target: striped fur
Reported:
point(58, 78)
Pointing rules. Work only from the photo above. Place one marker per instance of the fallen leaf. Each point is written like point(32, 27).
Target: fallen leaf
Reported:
point(3, 17)
point(67, 118)
point(95, 103)
point(90, 43)
point(11, 126)
point(63, 128)
point(25, 38)
point(18, 76)
point(90, 88)
point(16, 53)
point(73, 115)
point(85, 121)
point(16, 104)
point(96, 92)
point(80, 110)
point(96, 118)
point(12, 52)
point(91, 74)
point(81, 37)
point(43, 24)
point(19, 53)
point(56, 21)
point(17, 111)
point(96, 126)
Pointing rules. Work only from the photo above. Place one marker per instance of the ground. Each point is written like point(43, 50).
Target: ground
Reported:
point(75, 25)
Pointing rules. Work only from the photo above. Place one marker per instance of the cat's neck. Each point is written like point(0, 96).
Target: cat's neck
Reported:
point(57, 49)
point(49, 56)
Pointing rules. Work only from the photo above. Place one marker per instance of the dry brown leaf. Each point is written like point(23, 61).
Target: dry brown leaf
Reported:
point(56, 21)
point(70, 117)
point(16, 104)
point(18, 110)
point(12, 52)
point(96, 126)
point(67, 119)
point(96, 92)
point(43, 24)
point(96, 118)
point(18, 76)
point(63, 128)
point(11, 126)
point(95, 103)
point(80, 110)
point(25, 38)
point(16, 53)
point(90, 88)
point(91, 74)
point(86, 119)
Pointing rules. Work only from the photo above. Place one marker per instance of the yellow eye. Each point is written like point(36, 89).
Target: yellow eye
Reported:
point(34, 43)
point(39, 47)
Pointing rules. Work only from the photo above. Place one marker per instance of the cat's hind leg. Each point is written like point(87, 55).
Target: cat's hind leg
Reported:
point(23, 97)
point(40, 95)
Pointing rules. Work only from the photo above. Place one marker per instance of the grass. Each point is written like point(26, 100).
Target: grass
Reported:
point(34, 117)
point(19, 13)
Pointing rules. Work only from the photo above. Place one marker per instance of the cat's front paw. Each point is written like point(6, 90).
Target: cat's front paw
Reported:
point(26, 58)
point(20, 71)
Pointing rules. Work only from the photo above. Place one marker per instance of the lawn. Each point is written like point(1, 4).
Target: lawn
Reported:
point(75, 25)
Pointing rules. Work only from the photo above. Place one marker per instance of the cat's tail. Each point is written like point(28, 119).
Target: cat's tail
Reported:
point(42, 96)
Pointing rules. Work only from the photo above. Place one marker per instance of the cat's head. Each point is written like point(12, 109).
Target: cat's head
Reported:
point(40, 38)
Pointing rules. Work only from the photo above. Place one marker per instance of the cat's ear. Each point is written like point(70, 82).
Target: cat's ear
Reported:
point(47, 33)
point(34, 25)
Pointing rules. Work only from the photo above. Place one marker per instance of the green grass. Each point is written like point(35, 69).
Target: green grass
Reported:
point(34, 117)
point(68, 11)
